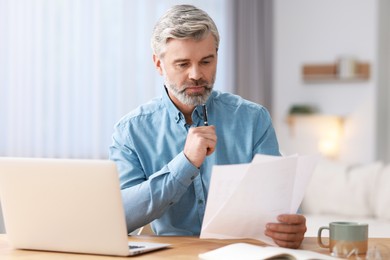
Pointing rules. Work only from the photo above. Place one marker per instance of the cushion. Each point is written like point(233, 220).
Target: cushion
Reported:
point(342, 189)
point(382, 188)
point(327, 179)
point(360, 190)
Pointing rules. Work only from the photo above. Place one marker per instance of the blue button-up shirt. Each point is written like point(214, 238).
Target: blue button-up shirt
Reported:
point(158, 183)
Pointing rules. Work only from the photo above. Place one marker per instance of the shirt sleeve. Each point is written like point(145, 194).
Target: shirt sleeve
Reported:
point(266, 141)
point(146, 199)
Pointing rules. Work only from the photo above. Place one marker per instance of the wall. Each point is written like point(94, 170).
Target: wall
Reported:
point(319, 32)
point(383, 105)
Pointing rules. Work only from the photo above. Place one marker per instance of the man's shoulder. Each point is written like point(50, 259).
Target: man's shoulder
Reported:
point(144, 111)
point(233, 102)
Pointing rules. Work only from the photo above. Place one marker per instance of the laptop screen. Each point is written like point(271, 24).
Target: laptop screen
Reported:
point(63, 205)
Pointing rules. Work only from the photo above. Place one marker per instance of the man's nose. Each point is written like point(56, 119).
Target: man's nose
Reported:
point(195, 73)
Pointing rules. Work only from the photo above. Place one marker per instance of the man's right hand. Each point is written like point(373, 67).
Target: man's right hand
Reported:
point(200, 143)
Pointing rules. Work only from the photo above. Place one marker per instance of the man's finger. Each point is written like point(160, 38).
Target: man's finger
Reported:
point(292, 219)
point(286, 228)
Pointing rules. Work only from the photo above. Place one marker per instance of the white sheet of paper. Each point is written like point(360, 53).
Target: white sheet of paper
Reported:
point(305, 169)
point(243, 198)
point(224, 187)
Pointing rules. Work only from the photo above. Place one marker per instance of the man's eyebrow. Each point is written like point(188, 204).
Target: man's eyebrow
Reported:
point(180, 60)
point(208, 57)
point(186, 60)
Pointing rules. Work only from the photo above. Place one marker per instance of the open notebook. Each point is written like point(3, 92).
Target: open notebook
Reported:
point(65, 205)
point(244, 251)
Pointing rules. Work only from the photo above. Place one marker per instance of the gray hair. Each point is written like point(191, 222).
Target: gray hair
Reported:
point(183, 22)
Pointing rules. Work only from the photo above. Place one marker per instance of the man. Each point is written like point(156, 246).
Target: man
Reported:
point(163, 150)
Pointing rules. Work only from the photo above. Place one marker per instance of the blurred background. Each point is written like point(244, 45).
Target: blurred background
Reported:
point(70, 69)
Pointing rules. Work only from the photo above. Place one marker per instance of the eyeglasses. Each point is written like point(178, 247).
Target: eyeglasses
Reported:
point(375, 252)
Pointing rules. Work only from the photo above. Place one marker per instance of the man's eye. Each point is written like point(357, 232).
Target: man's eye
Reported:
point(182, 65)
point(205, 62)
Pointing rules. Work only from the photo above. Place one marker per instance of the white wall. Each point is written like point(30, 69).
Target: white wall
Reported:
point(320, 31)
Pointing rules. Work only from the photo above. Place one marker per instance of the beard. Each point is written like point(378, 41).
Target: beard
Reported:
point(191, 99)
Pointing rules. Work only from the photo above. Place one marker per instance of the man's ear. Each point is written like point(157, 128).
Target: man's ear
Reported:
point(158, 64)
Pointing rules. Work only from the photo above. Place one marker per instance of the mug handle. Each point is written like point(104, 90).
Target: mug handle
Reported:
point(319, 238)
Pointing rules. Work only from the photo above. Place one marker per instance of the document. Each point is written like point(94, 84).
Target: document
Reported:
point(251, 252)
point(243, 198)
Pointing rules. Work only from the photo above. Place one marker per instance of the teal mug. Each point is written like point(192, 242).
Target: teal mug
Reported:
point(345, 238)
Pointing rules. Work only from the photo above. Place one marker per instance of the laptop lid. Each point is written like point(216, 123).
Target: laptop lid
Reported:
point(65, 205)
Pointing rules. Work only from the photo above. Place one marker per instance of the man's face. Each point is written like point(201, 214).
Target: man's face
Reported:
point(189, 69)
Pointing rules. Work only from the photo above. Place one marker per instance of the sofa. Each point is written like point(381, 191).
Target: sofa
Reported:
point(2, 228)
point(340, 191)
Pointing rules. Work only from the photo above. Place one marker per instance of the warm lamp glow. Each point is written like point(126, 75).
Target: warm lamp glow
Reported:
point(329, 147)
point(330, 137)
point(316, 132)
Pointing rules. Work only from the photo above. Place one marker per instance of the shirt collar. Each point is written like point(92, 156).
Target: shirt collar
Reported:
point(172, 109)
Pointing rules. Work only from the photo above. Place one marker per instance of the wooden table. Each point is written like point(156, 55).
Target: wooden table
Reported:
point(182, 248)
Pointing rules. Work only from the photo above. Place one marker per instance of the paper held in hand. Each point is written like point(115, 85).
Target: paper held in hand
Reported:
point(243, 198)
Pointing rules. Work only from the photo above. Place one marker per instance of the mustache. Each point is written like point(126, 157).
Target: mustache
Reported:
point(196, 83)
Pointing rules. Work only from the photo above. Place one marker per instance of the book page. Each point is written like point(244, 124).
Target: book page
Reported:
point(244, 251)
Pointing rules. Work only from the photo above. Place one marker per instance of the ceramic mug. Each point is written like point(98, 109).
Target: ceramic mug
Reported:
point(345, 238)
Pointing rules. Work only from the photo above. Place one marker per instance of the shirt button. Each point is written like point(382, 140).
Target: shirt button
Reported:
point(192, 178)
point(200, 201)
point(170, 203)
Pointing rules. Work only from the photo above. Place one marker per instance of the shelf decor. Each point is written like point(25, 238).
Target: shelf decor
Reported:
point(342, 70)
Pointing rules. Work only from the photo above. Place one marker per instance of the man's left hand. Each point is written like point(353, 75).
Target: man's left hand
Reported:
point(289, 232)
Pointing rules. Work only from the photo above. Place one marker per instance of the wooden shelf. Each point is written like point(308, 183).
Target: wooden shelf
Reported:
point(293, 118)
point(329, 72)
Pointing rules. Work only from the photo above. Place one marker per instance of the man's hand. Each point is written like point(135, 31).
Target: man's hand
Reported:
point(200, 143)
point(289, 232)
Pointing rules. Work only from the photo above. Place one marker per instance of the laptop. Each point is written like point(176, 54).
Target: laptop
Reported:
point(66, 205)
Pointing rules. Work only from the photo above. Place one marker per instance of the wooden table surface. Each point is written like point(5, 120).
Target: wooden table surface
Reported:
point(182, 248)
